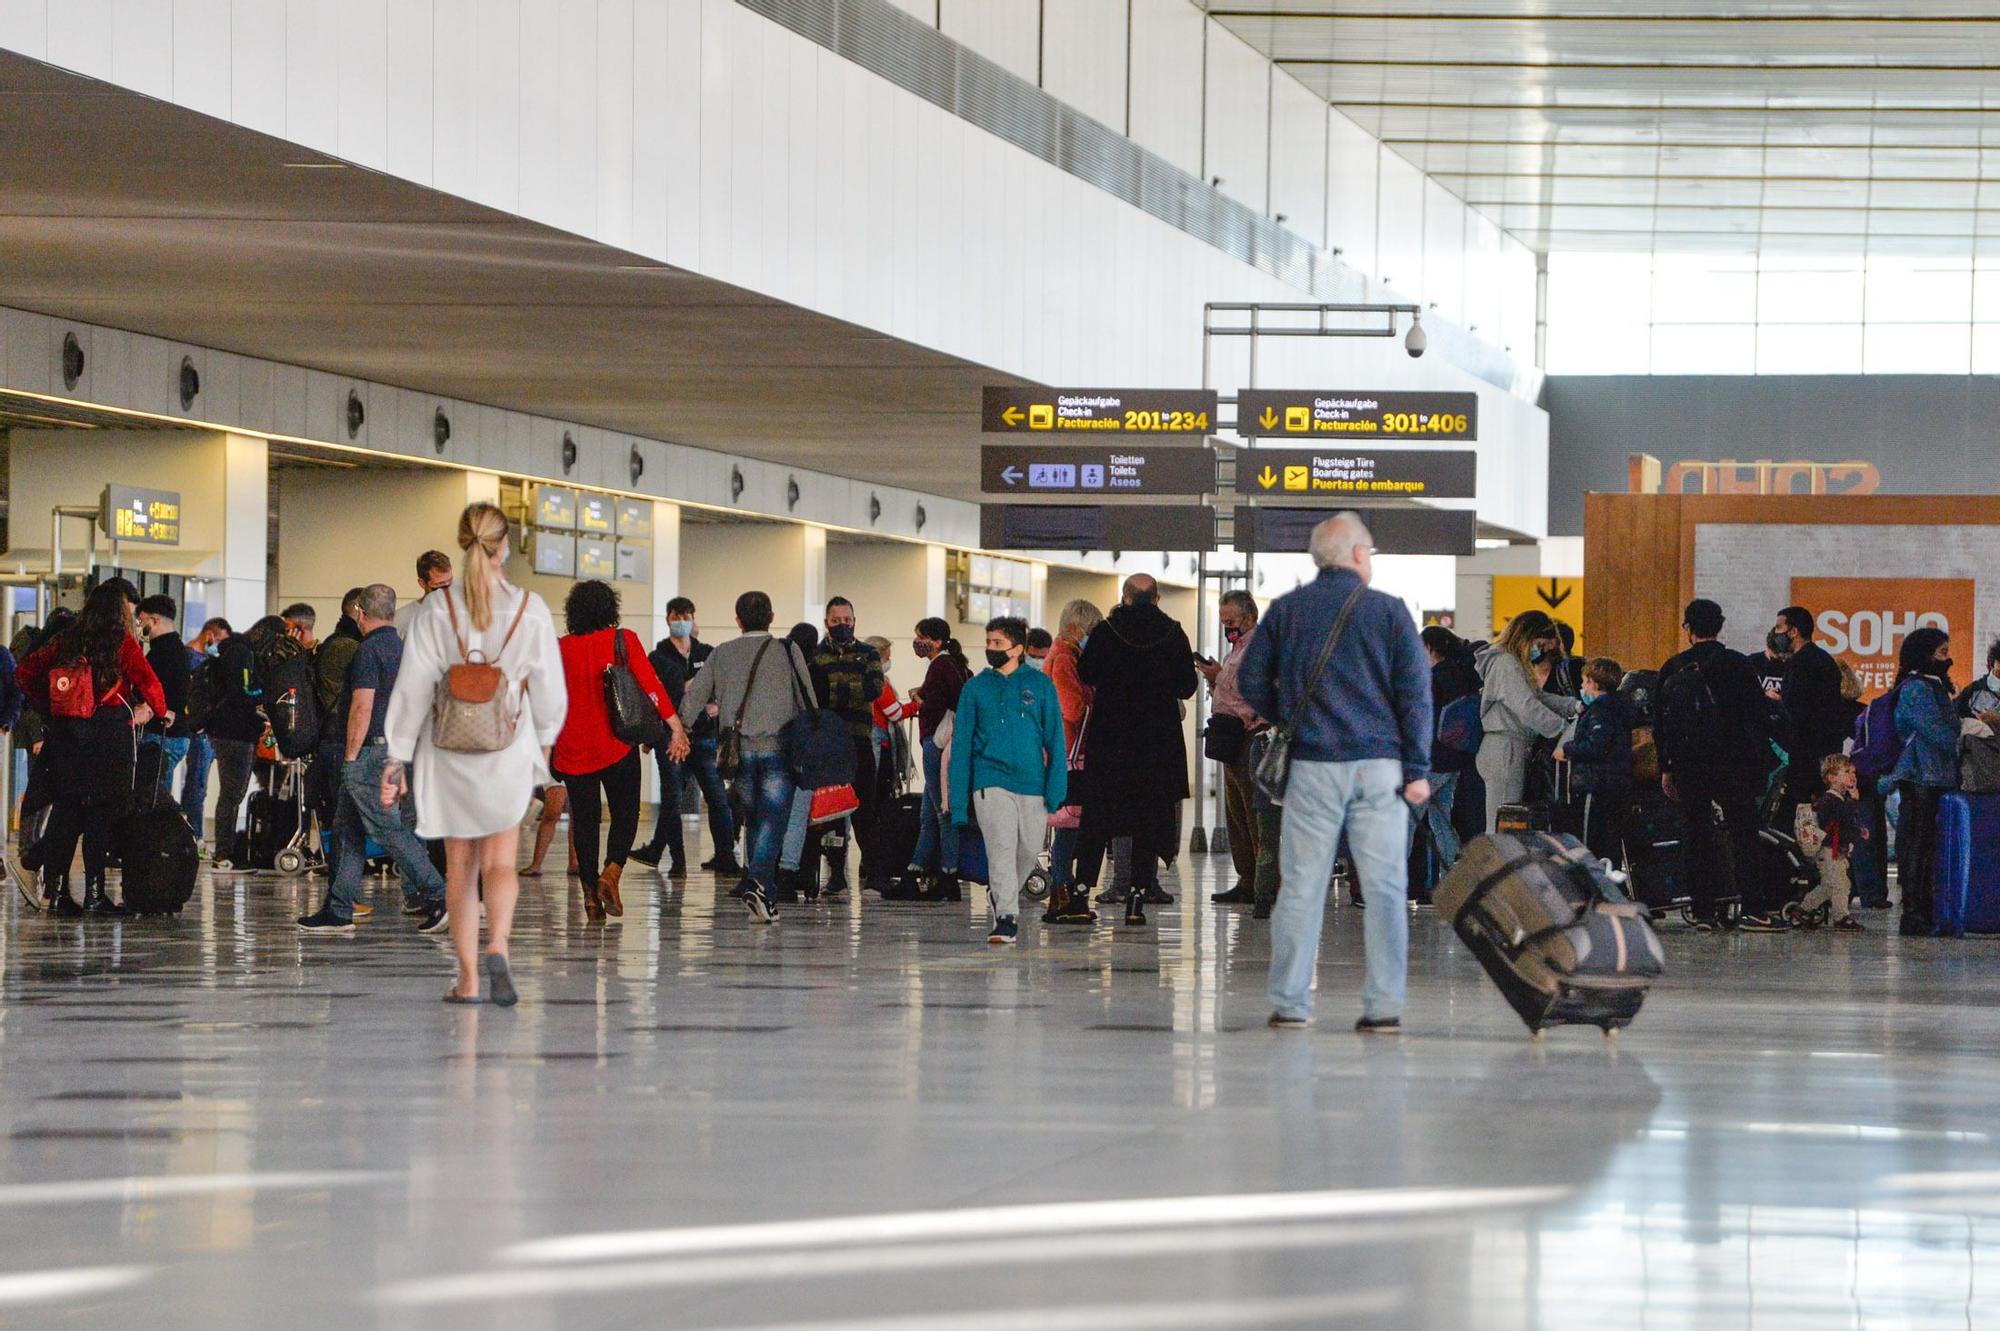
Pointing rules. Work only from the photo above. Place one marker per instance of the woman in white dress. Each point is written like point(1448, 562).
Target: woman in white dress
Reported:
point(475, 801)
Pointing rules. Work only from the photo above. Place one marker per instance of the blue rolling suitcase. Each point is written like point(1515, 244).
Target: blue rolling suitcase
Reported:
point(1968, 865)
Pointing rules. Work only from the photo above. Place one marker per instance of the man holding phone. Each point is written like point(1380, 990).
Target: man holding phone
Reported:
point(1231, 723)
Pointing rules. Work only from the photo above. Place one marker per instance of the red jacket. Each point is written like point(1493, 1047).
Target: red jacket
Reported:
point(586, 743)
point(32, 675)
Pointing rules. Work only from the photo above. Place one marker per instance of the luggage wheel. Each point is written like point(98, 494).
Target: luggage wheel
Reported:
point(291, 862)
point(1037, 886)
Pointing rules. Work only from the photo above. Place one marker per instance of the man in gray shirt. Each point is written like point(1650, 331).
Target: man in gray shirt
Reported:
point(758, 683)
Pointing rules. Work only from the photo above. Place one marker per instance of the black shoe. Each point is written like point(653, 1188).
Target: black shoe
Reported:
point(416, 908)
point(1155, 895)
point(1262, 910)
point(1135, 909)
point(912, 886)
point(1911, 927)
point(758, 903)
point(63, 904)
point(678, 869)
point(1280, 1022)
point(786, 893)
point(1379, 1026)
point(721, 864)
point(1238, 895)
point(947, 887)
point(648, 856)
point(436, 921)
point(1005, 932)
point(97, 902)
point(324, 921)
point(1764, 924)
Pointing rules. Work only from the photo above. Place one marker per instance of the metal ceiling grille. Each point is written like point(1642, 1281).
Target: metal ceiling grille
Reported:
point(918, 58)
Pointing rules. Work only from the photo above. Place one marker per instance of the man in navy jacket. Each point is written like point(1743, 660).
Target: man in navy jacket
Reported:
point(1361, 748)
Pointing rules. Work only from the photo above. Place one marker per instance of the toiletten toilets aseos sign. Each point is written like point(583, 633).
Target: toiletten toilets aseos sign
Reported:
point(1863, 621)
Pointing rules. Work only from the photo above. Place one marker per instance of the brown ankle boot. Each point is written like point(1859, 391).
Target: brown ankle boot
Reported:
point(607, 888)
point(593, 904)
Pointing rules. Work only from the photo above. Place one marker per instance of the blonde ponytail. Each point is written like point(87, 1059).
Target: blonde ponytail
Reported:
point(482, 535)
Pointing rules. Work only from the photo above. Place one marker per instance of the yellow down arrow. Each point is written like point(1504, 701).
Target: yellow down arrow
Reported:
point(1268, 419)
point(1012, 416)
point(1267, 478)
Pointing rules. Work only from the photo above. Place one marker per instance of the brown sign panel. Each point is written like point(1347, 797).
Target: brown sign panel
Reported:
point(1130, 469)
point(1069, 411)
point(1416, 473)
point(1167, 527)
point(1356, 413)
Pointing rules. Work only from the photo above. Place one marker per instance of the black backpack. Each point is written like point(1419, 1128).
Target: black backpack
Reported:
point(289, 679)
point(204, 695)
point(1688, 722)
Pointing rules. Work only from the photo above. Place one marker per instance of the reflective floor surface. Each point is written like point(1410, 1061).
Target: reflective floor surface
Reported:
point(865, 1118)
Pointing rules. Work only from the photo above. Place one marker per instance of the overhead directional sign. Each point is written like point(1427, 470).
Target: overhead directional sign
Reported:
point(1350, 413)
point(1188, 527)
point(1103, 410)
point(1560, 597)
point(1397, 531)
point(150, 517)
point(1428, 473)
point(1035, 469)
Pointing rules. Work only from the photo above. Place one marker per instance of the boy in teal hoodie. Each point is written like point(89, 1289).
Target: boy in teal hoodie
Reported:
point(1008, 767)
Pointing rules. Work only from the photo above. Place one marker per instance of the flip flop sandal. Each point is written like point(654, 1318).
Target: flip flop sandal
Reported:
point(455, 997)
point(500, 980)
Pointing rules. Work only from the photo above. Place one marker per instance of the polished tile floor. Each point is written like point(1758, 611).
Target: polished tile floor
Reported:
point(864, 1118)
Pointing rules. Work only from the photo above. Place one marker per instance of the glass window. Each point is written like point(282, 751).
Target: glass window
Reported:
point(1801, 288)
point(1915, 348)
point(1918, 289)
point(1809, 348)
point(1704, 288)
point(1704, 348)
point(1599, 313)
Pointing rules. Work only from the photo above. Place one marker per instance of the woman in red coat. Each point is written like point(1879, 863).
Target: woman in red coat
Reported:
point(590, 759)
point(93, 683)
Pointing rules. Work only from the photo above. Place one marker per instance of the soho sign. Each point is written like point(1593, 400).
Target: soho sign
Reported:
point(1872, 632)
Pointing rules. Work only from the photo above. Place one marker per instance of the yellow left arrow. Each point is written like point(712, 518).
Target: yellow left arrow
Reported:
point(1012, 416)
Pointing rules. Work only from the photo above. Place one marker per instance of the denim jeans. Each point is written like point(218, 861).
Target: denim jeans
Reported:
point(699, 767)
point(1437, 816)
point(359, 815)
point(1062, 856)
point(194, 786)
point(171, 753)
point(1364, 800)
point(937, 838)
point(798, 823)
point(766, 791)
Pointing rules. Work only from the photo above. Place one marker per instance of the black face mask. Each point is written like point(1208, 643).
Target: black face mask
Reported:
point(840, 633)
point(1941, 669)
point(998, 660)
point(1232, 636)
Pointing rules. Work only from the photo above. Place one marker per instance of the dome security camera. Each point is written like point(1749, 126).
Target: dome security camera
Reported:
point(1417, 341)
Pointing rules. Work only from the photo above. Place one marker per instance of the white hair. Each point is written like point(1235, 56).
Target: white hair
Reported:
point(1333, 541)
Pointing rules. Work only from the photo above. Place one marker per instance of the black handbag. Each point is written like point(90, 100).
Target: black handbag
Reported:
point(1274, 769)
point(1223, 740)
point(817, 748)
point(634, 717)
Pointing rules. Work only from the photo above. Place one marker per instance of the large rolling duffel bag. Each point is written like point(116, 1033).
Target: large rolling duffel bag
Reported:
point(1967, 899)
point(1561, 944)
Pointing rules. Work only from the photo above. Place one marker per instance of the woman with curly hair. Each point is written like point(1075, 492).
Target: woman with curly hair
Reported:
point(596, 767)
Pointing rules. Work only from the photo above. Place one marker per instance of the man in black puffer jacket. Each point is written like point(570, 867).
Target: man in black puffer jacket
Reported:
point(1601, 751)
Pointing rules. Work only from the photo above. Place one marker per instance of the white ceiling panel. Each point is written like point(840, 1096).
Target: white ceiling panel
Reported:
point(1801, 123)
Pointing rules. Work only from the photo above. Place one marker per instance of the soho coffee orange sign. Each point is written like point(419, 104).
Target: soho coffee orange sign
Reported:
point(1863, 621)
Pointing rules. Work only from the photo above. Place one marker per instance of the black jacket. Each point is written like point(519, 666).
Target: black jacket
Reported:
point(1812, 699)
point(236, 715)
point(1601, 750)
point(168, 656)
point(675, 671)
point(1140, 664)
point(1451, 679)
point(1744, 744)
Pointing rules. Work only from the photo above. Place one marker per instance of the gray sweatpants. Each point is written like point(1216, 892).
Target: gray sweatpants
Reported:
point(1014, 827)
point(1503, 765)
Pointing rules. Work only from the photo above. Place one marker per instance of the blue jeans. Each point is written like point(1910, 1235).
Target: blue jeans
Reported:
point(798, 822)
point(699, 767)
point(171, 753)
point(1437, 816)
point(766, 789)
point(1323, 800)
point(359, 815)
point(937, 837)
point(1062, 856)
point(194, 787)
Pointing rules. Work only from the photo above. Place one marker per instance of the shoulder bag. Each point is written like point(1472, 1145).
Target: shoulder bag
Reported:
point(634, 717)
point(729, 744)
point(1274, 769)
point(817, 748)
point(474, 710)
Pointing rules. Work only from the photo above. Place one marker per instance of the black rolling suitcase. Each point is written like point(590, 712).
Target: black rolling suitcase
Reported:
point(273, 824)
point(157, 854)
point(1653, 834)
point(902, 822)
point(1538, 913)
